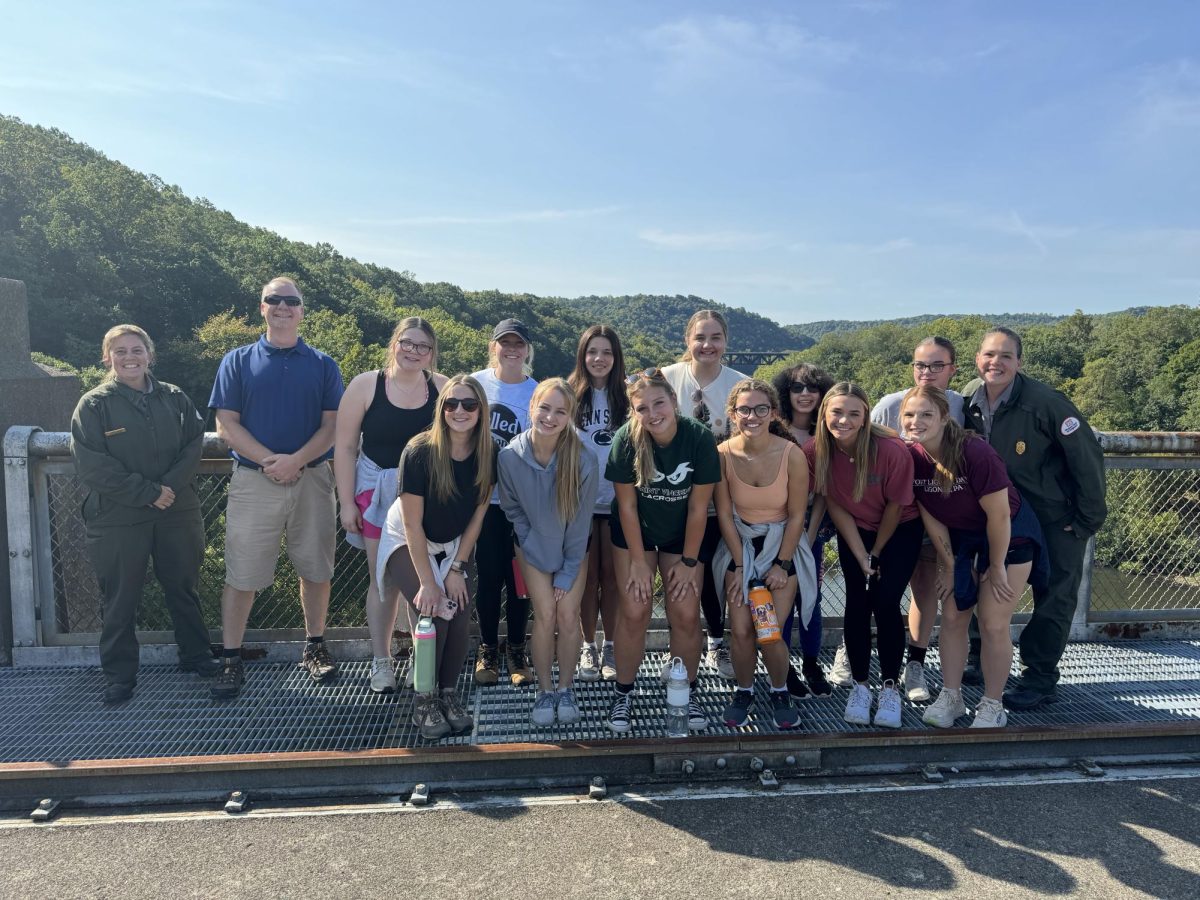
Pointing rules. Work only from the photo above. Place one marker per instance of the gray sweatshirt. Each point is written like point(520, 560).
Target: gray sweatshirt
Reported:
point(528, 499)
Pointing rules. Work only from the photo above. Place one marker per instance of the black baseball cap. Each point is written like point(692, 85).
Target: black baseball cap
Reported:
point(511, 326)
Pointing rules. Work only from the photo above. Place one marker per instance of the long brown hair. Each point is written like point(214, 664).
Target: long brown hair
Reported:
point(701, 315)
point(865, 443)
point(614, 385)
point(568, 477)
point(643, 443)
point(953, 437)
point(437, 436)
point(402, 326)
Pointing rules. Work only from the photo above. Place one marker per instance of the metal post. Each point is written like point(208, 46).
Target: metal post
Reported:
point(1083, 604)
point(21, 560)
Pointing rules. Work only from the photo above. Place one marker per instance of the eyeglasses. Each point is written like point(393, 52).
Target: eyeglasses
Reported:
point(470, 404)
point(413, 347)
point(276, 299)
point(760, 412)
point(652, 374)
point(936, 368)
point(803, 387)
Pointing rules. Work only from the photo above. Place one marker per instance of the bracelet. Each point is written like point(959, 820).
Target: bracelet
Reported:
point(457, 566)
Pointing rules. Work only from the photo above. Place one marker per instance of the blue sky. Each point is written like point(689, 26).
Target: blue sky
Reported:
point(806, 160)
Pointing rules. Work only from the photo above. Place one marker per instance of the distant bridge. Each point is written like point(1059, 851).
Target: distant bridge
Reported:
point(747, 362)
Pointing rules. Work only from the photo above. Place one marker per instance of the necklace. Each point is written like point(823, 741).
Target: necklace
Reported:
point(408, 390)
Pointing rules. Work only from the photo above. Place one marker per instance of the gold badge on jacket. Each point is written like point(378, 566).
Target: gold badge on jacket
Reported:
point(1020, 447)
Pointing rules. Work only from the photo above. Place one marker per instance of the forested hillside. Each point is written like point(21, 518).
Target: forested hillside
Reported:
point(663, 319)
point(816, 330)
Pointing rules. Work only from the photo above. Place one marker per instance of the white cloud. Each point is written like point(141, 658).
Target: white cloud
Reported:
point(703, 240)
point(503, 218)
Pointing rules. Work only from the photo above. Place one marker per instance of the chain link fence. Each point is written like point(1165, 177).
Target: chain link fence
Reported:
point(1146, 556)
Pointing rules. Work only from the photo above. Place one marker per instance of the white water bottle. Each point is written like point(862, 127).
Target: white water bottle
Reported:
point(678, 694)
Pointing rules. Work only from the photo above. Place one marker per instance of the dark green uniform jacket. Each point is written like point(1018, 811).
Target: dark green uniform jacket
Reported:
point(127, 445)
point(1052, 454)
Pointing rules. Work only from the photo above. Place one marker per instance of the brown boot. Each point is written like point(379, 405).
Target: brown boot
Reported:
point(518, 665)
point(487, 665)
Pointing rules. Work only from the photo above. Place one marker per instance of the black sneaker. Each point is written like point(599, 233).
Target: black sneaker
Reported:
point(618, 713)
point(318, 662)
point(796, 686)
point(815, 676)
point(972, 673)
point(737, 713)
point(116, 692)
point(785, 714)
point(205, 667)
point(697, 717)
point(228, 682)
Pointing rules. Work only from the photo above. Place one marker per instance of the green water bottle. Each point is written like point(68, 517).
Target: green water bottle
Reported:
point(425, 656)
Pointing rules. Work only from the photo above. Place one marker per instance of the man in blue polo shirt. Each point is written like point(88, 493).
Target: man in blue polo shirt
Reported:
point(276, 404)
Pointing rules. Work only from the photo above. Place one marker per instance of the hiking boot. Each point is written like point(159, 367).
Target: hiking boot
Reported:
point(518, 665)
point(317, 661)
point(589, 663)
point(887, 709)
point(795, 685)
point(815, 677)
point(228, 682)
point(428, 717)
point(618, 713)
point(543, 709)
point(785, 714)
point(989, 714)
point(737, 713)
point(487, 665)
point(568, 707)
point(914, 682)
point(858, 706)
point(608, 663)
point(459, 720)
point(840, 674)
point(383, 675)
point(945, 709)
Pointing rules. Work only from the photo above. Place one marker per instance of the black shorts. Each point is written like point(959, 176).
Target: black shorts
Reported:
point(618, 539)
point(599, 520)
point(756, 543)
point(1021, 553)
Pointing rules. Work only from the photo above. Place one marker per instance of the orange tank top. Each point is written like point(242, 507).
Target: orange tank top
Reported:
point(760, 505)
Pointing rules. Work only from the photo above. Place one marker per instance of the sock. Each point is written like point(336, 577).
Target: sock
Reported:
point(742, 690)
point(714, 643)
point(382, 659)
point(232, 653)
point(591, 644)
point(777, 690)
point(916, 654)
point(316, 640)
point(624, 688)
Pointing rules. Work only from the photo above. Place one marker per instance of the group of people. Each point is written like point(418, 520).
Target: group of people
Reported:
point(570, 495)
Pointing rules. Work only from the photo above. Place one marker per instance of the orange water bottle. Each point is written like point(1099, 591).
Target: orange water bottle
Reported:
point(762, 608)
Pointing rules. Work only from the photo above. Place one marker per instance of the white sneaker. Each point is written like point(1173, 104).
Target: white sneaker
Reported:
point(858, 706)
point(840, 674)
point(914, 682)
point(887, 710)
point(989, 714)
point(383, 675)
point(589, 663)
point(718, 658)
point(608, 663)
point(943, 712)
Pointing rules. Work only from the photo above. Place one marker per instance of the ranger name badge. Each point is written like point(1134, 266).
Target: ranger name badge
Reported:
point(1020, 447)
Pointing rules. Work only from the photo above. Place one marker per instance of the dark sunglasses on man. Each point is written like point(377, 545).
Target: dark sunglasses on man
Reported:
point(276, 299)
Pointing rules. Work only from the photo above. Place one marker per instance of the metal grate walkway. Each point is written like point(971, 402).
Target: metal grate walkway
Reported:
point(55, 715)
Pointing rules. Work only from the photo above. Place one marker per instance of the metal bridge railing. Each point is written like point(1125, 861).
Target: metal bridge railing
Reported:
point(1146, 559)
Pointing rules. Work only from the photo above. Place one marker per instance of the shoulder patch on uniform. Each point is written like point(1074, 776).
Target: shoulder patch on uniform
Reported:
point(1069, 426)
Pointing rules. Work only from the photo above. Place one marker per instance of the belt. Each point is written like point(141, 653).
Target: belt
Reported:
point(250, 464)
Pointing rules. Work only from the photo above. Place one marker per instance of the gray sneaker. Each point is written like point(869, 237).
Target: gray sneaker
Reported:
point(914, 682)
point(840, 674)
point(717, 658)
point(608, 663)
point(568, 707)
point(543, 709)
point(383, 675)
point(589, 663)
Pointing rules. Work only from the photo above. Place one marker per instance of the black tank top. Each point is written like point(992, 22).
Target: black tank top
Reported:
point(387, 429)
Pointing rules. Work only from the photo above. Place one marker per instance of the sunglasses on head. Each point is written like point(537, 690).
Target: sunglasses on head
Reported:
point(653, 372)
point(469, 404)
point(276, 299)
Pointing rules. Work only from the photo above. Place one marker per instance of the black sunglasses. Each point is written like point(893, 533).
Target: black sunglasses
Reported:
point(276, 299)
point(652, 373)
point(470, 404)
point(803, 387)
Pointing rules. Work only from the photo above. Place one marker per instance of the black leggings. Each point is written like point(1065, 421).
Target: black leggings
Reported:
point(494, 560)
point(881, 600)
point(712, 602)
point(452, 635)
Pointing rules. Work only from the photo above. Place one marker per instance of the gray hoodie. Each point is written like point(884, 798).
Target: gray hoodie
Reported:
point(527, 498)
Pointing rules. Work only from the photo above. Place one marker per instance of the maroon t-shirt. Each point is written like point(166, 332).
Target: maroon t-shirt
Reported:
point(981, 472)
point(890, 481)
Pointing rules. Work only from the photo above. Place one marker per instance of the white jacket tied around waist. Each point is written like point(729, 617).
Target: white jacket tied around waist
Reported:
point(368, 476)
point(395, 538)
point(757, 566)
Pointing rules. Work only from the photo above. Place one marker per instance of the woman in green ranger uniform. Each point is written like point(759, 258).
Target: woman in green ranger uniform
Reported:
point(136, 442)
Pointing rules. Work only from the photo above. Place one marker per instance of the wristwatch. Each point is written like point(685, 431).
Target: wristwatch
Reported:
point(457, 566)
point(689, 561)
point(789, 567)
